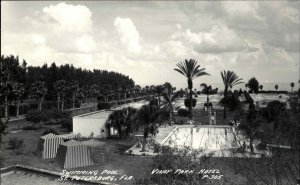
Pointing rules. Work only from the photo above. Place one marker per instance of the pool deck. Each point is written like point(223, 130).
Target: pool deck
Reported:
point(166, 132)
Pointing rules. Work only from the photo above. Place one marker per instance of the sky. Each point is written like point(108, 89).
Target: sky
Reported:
point(145, 40)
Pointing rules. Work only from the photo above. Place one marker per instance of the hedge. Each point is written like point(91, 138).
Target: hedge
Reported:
point(103, 105)
point(183, 112)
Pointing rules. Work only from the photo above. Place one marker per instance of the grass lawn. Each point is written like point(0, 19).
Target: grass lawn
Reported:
point(113, 159)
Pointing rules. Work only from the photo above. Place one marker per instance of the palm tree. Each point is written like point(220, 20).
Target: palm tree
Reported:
point(39, 90)
point(80, 95)
point(159, 90)
point(61, 87)
point(18, 91)
point(230, 79)
point(95, 92)
point(173, 89)
point(190, 70)
point(6, 89)
point(261, 87)
point(206, 89)
point(137, 91)
point(292, 85)
point(169, 98)
point(276, 87)
point(73, 87)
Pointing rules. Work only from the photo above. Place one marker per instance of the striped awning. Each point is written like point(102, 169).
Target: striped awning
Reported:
point(48, 145)
point(73, 154)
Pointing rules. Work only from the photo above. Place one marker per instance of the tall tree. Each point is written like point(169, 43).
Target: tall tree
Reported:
point(169, 98)
point(190, 70)
point(6, 90)
point(159, 90)
point(292, 86)
point(73, 88)
point(206, 89)
point(276, 87)
point(253, 85)
point(230, 79)
point(95, 92)
point(18, 92)
point(38, 91)
point(61, 88)
point(80, 95)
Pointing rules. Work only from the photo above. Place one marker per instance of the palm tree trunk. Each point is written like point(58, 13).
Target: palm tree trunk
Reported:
point(73, 103)
point(40, 104)
point(224, 112)
point(62, 103)
point(225, 96)
point(207, 99)
point(171, 114)
point(158, 100)
point(6, 106)
point(58, 101)
point(191, 102)
point(18, 107)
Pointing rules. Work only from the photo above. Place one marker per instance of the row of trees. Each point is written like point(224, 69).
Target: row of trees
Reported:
point(255, 87)
point(20, 82)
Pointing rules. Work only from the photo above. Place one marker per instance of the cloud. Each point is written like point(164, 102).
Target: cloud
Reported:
point(128, 33)
point(70, 18)
point(218, 39)
point(259, 37)
point(85, 43)
point(39, 40)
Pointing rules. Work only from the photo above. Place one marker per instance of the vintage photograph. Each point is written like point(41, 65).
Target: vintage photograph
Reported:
point(150, 93)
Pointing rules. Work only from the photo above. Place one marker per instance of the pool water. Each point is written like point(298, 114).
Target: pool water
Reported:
point(209, 138)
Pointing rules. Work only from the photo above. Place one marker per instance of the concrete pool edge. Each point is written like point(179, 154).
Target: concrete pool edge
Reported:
point(169, 135)
point(45, 172)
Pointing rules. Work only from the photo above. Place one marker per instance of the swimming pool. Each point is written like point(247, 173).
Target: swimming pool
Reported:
point(212, 139)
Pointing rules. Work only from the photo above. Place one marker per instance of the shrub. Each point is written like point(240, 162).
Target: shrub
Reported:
point(183, 112)
point(32, 127)
point(50, 130)
point(103, 105)
point(156, 148)
point(57, 115)
point(261, 146)
point(2, 159)
point(67, 124)
point(15, 143)
point(187, 102)
point(36, 116)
